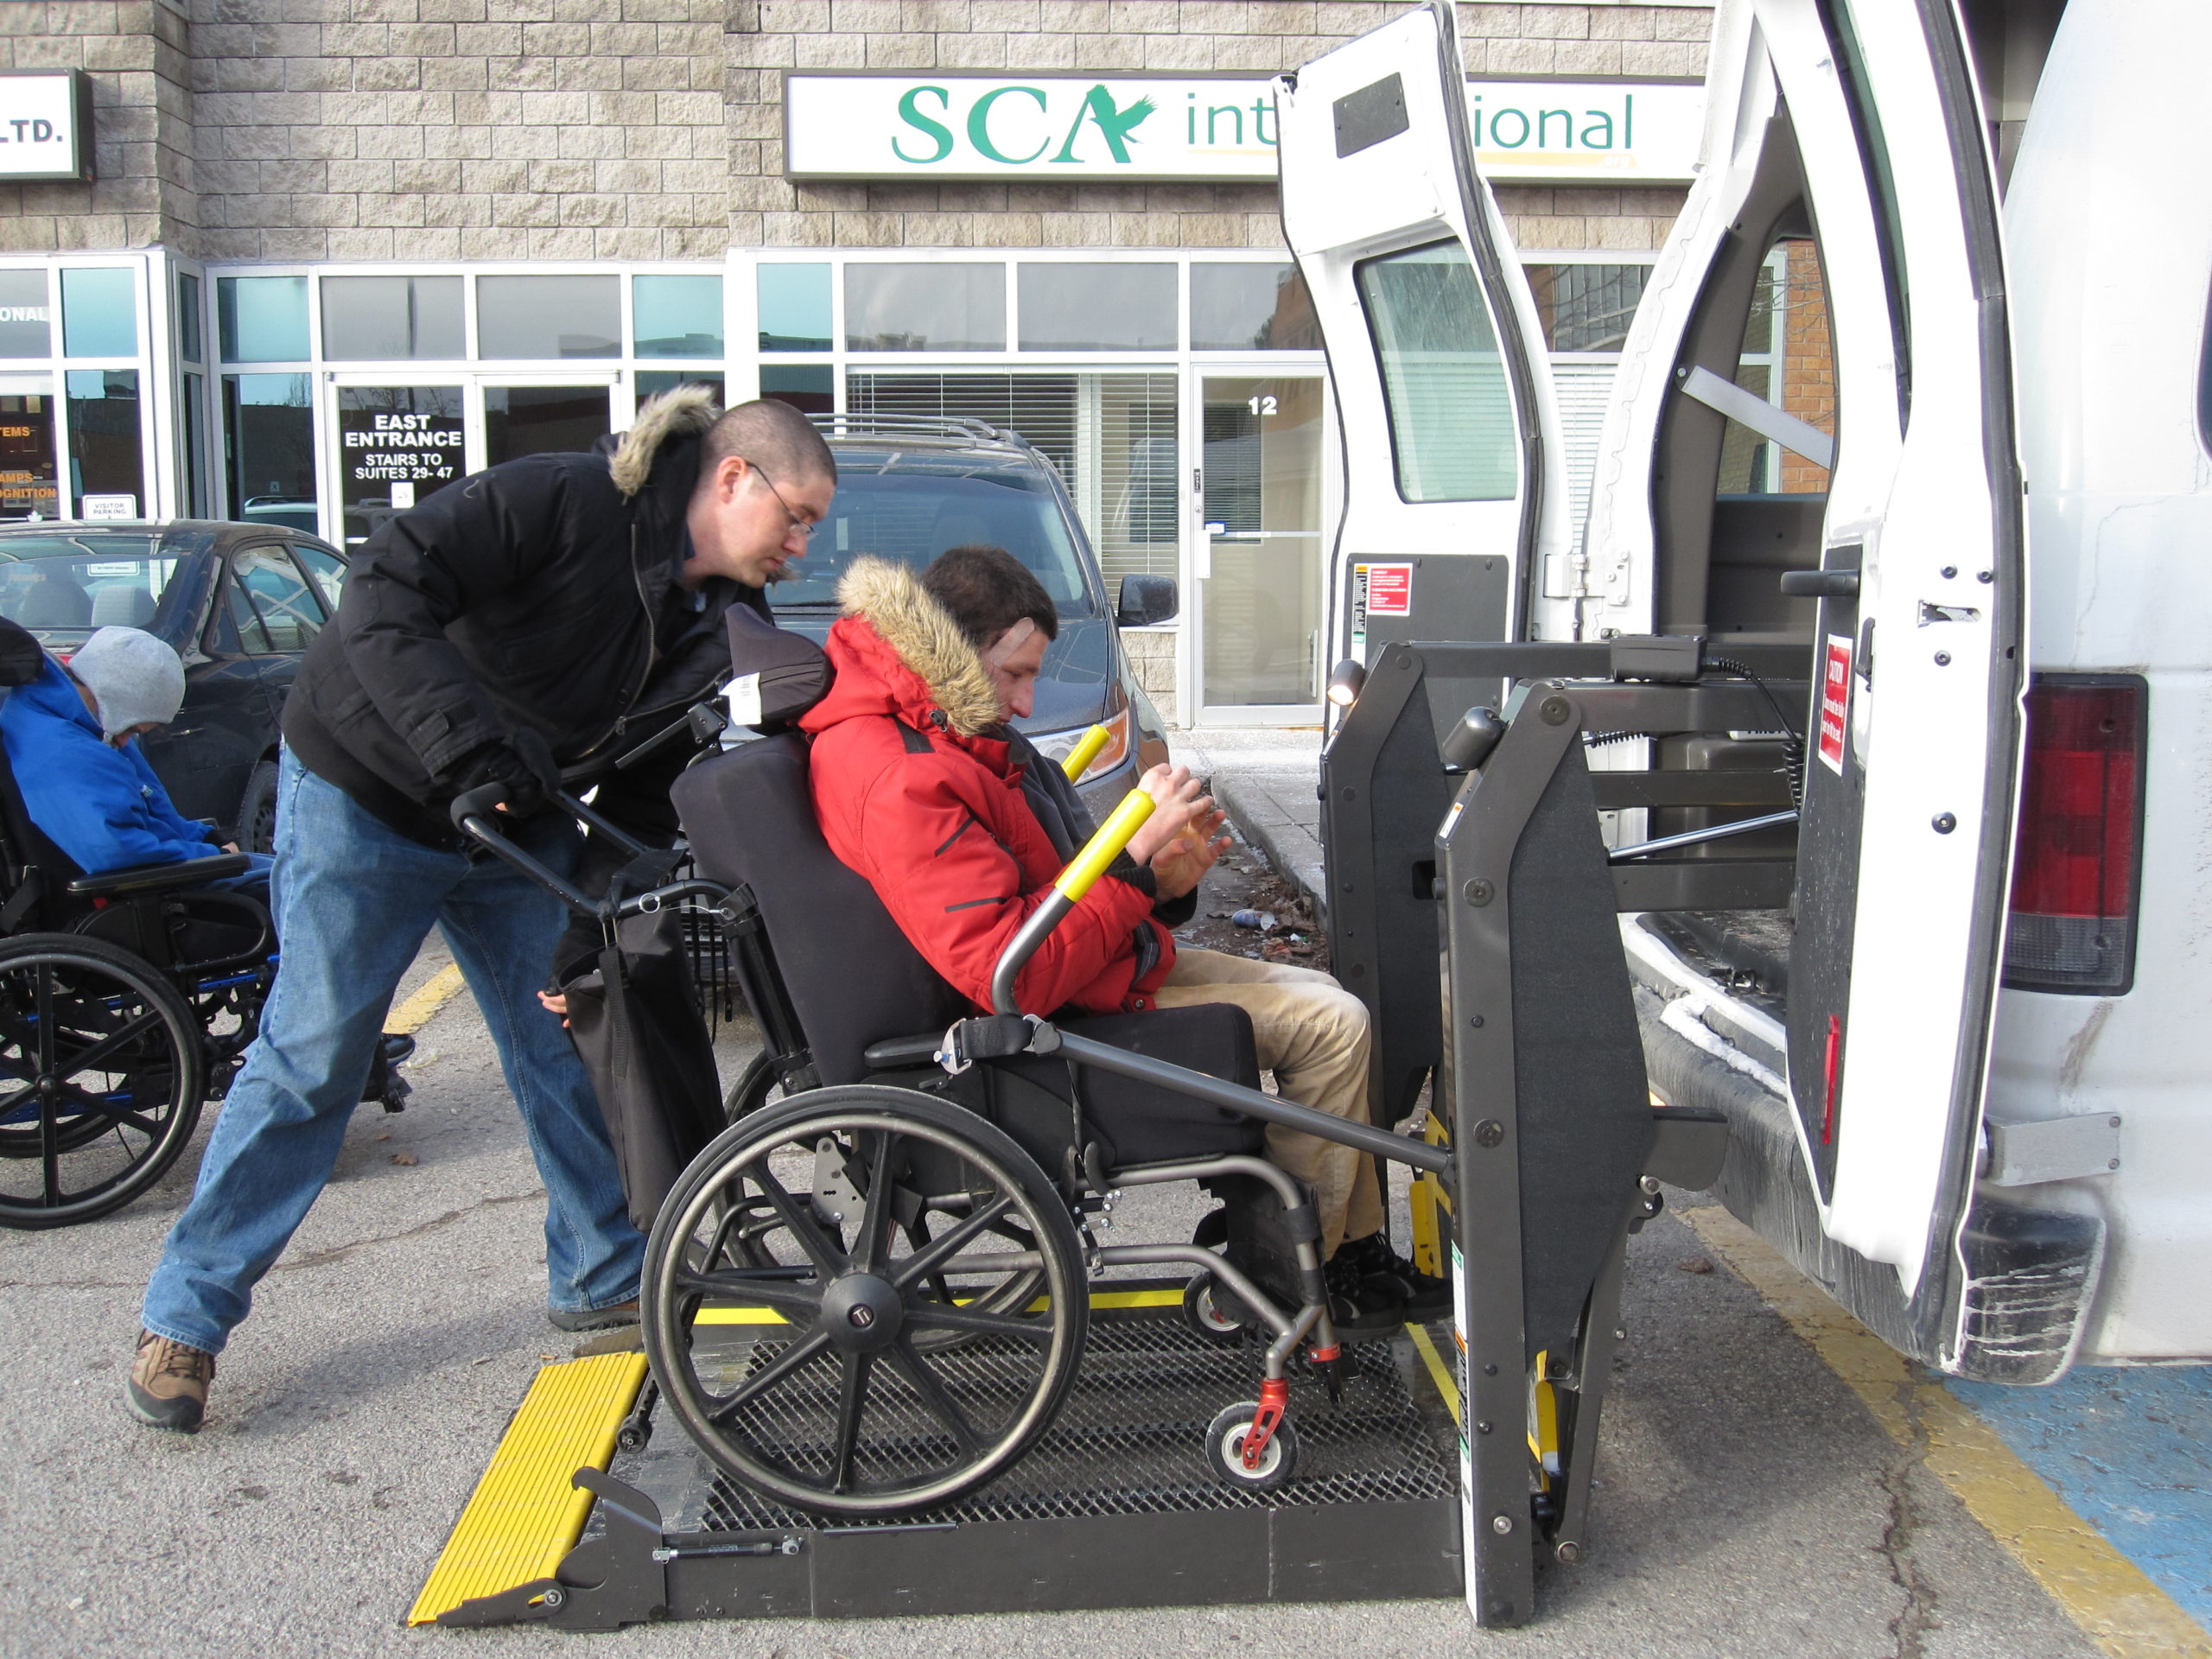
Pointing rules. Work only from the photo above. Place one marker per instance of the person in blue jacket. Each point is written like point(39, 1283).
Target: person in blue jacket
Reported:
point(72, 740)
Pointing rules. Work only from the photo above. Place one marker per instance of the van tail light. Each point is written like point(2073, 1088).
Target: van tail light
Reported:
point(2077, 863)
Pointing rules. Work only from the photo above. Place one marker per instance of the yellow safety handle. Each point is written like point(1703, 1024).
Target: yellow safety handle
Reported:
point(1087, 866)
point(1081, 756)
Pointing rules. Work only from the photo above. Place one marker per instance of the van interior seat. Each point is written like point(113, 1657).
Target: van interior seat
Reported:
point(122, 605)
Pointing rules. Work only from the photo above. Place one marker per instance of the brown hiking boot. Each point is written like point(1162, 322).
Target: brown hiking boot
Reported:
point(168, 1384)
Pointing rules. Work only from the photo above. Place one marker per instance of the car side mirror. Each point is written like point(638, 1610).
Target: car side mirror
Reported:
point(1146, 600)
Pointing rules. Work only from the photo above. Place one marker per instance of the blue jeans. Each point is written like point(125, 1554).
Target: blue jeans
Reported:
point(353, 901)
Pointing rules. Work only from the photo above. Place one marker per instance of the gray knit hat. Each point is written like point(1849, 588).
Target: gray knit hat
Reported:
point(135, 677)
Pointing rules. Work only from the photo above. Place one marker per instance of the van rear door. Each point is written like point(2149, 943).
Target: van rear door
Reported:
point(1435, 355)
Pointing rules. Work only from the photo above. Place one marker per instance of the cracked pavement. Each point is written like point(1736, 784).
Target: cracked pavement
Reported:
point(1747, 1503)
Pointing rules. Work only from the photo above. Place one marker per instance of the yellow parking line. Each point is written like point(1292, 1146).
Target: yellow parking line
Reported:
point(2117, 1606)
point(432, 995)
point(1439, 1373)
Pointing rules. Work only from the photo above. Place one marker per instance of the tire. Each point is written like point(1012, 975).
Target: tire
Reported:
point(98, 1134)
point(257, 826)
point(1225, 1451)
point(751, 1092)
point(793, 1421)
point(1204, 1313)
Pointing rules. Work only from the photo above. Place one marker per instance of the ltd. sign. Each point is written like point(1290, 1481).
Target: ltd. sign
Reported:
point(1086, 128)
point(45, 125)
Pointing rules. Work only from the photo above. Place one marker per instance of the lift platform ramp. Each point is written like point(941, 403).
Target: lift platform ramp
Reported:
point(1456, 1460)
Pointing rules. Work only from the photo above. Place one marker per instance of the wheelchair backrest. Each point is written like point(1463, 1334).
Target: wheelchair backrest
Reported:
point(849, 975)
point(25, 850)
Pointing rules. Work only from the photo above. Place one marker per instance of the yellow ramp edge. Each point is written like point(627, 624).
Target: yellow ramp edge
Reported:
point(2115, 1604)
point(1099, 1299)
point(524, 1515)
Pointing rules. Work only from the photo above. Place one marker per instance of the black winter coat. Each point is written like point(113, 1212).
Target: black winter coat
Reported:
point(544, 592)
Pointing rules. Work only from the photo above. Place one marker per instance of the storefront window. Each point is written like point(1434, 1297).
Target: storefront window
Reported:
point(549, 316)
point(268, 447)
point(677, 316)
point(191, 406)
point(810, 388)
point(1453, 430)
point(105, 475)
point(262, 318)
point(542, 420)
point(925, 308)
point(1586, 307)
point(396, 445)
point(1101, 308)
point(187, 316)
point(1251, 308)
point(100, 312)
point(653, 382)
point(30, 488)
point(795, 309)
point(372, 318)
point(25, 330)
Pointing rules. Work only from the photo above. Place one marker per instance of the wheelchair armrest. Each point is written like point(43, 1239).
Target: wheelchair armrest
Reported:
point(895, 1053)
point(155, 878)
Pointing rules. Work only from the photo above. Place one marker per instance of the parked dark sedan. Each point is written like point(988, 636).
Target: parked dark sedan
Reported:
point(239, 603)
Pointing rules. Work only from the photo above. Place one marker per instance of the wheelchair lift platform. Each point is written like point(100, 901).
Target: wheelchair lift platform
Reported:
point(1113, 1508)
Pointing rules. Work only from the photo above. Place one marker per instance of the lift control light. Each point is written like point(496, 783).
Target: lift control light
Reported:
point(2078, 861)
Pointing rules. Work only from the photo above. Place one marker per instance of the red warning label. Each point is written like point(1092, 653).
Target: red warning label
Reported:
point(1835, 703)
point(1389, 589)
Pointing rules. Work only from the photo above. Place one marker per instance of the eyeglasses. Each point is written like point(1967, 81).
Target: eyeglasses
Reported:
point(803, 527)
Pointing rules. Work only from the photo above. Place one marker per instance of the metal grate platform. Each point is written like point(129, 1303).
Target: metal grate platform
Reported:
point(1128, 1439)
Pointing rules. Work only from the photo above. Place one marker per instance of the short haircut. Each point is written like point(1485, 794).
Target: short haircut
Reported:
point(988, 590)
point(773, 436)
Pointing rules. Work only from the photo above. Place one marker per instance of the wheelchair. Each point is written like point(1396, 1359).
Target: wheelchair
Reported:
point(870, 1296)
point(127, 1001)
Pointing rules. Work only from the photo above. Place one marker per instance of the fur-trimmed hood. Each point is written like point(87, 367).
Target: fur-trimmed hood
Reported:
point(900, 652)
point(687, 412)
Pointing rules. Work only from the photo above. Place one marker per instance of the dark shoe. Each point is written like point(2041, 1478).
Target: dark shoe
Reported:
point(168, 1384)
point(1422, 1296)
point(397, 1047)
point(593, 1318)
point(1363, 1309)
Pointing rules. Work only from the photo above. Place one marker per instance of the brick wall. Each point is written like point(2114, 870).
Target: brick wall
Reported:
point(1807, 362)
point(436, 130)
point(143, 188)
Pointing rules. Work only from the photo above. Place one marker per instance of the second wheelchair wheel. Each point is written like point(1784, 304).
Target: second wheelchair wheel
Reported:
point(832, 1309)
point(101, 1078)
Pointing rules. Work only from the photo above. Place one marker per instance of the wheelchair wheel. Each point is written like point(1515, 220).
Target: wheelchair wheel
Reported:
point(1225, 1451)
point(101, 1080)
point(1209, 1315)
point(830, 1311)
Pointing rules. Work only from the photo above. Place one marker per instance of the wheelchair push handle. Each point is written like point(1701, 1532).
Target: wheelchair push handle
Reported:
point(1068, 888)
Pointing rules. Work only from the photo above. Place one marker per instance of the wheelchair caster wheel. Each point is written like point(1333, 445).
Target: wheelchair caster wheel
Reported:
point(1225, 1451)
point(631, 1437)
point(1204, 1312)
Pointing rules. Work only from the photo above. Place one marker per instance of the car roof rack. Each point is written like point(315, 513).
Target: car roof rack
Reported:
point(915, 426)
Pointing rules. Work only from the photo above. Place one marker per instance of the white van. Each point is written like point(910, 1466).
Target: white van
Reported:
point(1966, 1068)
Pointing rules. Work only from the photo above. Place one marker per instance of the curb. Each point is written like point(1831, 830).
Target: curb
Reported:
point(1290, 848)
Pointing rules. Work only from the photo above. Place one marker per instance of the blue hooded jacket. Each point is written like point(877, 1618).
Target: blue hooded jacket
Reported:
point(101, 805)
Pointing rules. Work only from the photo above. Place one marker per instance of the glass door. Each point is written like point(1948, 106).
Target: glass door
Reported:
point(1258, 569)
point(392, 445)
point(536, 417)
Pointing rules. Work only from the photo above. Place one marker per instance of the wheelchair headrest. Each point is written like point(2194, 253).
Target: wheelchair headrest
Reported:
point(851, 976)
point(776, 676)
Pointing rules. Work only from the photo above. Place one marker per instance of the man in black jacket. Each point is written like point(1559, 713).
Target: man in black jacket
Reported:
point(547, 613)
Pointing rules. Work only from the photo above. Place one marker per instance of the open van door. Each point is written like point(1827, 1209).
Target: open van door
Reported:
point(1435, 355)
point(1846, 175)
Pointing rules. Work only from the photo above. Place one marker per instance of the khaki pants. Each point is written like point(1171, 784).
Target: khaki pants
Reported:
point(1312, 1034)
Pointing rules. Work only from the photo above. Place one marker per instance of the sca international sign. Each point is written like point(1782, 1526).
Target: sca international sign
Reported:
point(1102, 128)
point(45, 125)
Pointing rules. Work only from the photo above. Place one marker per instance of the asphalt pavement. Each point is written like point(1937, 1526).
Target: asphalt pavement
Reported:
point(1747, 1502)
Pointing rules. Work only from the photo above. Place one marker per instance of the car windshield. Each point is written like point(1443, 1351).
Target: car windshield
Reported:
point(913, 506)
point(63, 585)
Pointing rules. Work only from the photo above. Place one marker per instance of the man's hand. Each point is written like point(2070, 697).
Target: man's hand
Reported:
point(1176, 803)
point(1178, 868)
point(524, 766)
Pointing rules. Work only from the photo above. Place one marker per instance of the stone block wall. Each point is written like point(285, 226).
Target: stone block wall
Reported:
point(440, 130)
point(142, 191)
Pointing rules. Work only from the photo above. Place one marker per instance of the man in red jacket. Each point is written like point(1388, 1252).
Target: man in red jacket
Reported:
point(922, 788)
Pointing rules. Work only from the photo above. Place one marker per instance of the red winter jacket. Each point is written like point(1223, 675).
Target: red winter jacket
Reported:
point(911, 795)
